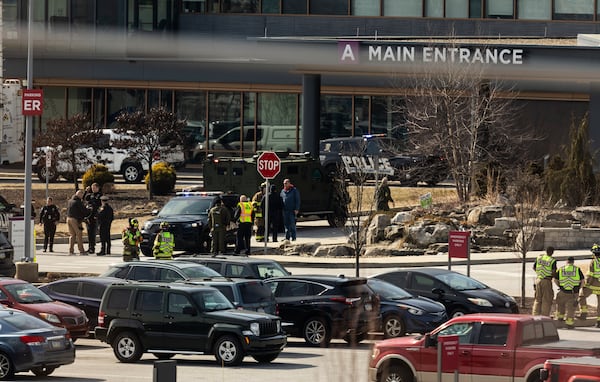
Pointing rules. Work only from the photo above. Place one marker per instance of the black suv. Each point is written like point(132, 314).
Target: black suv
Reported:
point(356, 155)
point(176, 318)
point(187, 215)
point(159, 270)
point(240, 266)
point(319, 308)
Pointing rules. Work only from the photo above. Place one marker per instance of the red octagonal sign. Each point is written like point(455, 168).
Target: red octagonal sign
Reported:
point(268, 165)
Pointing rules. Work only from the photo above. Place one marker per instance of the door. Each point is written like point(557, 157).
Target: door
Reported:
point(184, 330)
point(491, 359)
point(147, 309)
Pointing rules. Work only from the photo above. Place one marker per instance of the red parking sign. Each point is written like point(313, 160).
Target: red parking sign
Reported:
point(33, 101)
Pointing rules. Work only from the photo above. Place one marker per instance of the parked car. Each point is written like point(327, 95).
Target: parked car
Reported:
point(187, 215)
point(84, 293)
point(459, 294)
point(7, 255)
point(319, 308)
point(19, 294)
point(159, 270)
point(402, 313)
point(240, 266)
point(7, 211)
point(179, 318)
point(28, 343)
point(245, 294)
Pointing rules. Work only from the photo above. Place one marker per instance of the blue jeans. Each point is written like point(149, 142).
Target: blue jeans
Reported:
point(289, 222)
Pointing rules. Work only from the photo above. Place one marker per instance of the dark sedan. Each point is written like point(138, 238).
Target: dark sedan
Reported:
point(402, 313)
point(29, 343)
point(459, 294)
point(84, 293)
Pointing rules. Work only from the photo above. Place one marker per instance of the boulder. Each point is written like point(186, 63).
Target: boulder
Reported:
point(402, 217)
point(424, 235)
point(393, 232)
point(334, 251)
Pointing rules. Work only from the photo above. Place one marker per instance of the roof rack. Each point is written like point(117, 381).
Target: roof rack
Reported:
point(199, 193)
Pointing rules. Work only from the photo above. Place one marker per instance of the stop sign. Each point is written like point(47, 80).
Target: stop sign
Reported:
point(268, 165)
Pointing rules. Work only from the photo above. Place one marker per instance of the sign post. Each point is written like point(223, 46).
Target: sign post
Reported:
point(459, 247)
point(268, 166)
point(447, 360)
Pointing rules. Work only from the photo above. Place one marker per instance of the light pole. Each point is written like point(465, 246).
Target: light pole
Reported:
point(28, 139)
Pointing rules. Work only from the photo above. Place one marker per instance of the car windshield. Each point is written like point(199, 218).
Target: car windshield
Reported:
point(211, 300)
point(267, 270)
point(457, 281)
point(388, 291)
point(186, 206)
point(197, 271)
point(27, 294)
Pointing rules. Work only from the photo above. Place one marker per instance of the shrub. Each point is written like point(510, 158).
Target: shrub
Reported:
point(97, 173)
point(164, 177)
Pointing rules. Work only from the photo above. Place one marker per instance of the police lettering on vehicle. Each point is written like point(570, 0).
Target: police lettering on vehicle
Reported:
point(355, 164)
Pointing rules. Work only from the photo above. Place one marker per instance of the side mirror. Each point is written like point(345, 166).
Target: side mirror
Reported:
point(6, 303)
point(438, 291)
point(189, 310)
point(430, 341)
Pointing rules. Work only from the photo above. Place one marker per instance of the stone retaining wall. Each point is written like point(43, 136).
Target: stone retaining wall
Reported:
point(568, 238)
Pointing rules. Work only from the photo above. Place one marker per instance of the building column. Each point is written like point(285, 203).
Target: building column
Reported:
point(311, 113)
point(594, 123)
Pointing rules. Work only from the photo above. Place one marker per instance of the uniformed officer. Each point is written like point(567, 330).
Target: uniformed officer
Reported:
point(591, 285)
point(131, 237)
point(164, 243)
point(218, 219)
point(244, 216)
point(545, 268)
point(569, 280)
point(259, 221)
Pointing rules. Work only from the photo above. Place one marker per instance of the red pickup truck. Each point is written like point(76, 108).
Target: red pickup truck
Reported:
point(578, 369)
point(491, 347)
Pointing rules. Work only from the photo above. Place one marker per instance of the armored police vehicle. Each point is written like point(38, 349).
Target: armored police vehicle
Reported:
point(321, 194)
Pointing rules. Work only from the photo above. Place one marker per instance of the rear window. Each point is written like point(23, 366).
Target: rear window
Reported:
point(67, 287)
point(21, 321)
point(539, 332)
point(92, 290)
point(255, 292)
point(355, 290)
point(118, 299)
point(194, 271)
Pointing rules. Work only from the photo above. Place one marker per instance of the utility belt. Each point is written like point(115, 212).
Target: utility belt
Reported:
point(569, 291)
point(545, 278)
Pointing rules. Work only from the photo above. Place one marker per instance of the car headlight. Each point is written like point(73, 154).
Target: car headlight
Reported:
point(147, 226)
point(195, 225)
point(278, 326)
point(511, 299)
point(50, 317)
point(254, 330)
point(480, 302)
point(415, 311)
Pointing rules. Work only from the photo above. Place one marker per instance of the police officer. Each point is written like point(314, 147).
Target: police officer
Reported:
point(592, 284)
point(259, 221)
point(218, 219)
point(164, 243)
point(569, 280)
point(244, 216)
point(545, 268)
point(106, 216)
point(92, 197)
point(49, 217)
point(131, 237)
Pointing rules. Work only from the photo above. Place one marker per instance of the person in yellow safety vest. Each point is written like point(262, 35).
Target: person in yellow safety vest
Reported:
point(545, 268)
point(244, 217)
point(592, 285)
point(259, 221)
point(131, 237)
point(569, 280)
point(164, 243)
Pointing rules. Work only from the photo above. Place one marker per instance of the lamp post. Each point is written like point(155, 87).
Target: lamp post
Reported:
point(28, 140)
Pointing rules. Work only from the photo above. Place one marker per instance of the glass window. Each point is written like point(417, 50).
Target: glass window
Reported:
point(98, 107)
point(464, 331)
point(362, 107)
point(434, 8)
point(54, 104)
point(270, 6)
point(240, 6)
point(534, 9)
point(387, 117)
point(493, 334)
point(149, 301)
point(573, 9)
point(82, 13)
point(476, 9)
point(336, 116)
point(329, 7)
point(160, 98)
point(194, 6)
point(92, 290)
point(110, 13)
point(407, 8)
point(227, 291)
point(79, 101)
point(499, 9)
point(277, 108)
point(58, 13)
point(457, 9)
point(176, 303)
point(67, 287)
point(123, 100)
point(294, 6)
point(366, 8)
point(224, 110)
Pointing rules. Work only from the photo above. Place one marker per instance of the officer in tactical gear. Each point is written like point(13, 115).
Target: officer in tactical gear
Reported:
point(259, 220)
point(131, 237)
point(164, 243)
point(545, 268)
point(569, 280)
point(218, 220)
point(592, 285)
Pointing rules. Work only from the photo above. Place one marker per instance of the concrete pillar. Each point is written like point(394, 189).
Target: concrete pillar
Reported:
point(27, 271)
point(594, 122)
point(311, 114)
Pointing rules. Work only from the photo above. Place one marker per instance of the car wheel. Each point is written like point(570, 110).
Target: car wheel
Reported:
point(163, 355)
point(42, 371)
point(52, 174)
point(265, 358)
point(396, 374)
point(146, 251)
point(316, 332)
point(393, 326)
point(228, 351)
point(127, 347)
point(6, 367)
point(132, 172)
point(458, 312)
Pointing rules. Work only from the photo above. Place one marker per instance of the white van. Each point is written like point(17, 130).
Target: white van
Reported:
point(268, 138)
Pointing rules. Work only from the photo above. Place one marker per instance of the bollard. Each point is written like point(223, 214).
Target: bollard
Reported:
point(165, 371)
point(27, 271)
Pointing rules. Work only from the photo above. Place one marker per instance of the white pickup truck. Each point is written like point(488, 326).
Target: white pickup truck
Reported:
point(118, 160)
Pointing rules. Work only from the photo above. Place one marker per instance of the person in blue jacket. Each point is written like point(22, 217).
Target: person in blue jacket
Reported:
point(290, 197)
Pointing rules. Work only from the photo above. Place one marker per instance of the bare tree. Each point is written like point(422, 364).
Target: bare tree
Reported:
point(455, 111)
point(150, 136)
point(66, 137)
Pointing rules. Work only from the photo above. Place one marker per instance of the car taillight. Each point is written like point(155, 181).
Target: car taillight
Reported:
point(345, 300)
point(101, 315)
point(32, 340)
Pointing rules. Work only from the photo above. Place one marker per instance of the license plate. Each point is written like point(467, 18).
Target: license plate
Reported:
point(368, 307)
point(57, 344)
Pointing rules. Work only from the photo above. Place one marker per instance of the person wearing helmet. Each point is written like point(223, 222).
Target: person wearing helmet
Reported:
point(131, 237)
point(545, 269)
point(592, 285)
point(259, 220)
point(164, 243)
point(569, 280)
